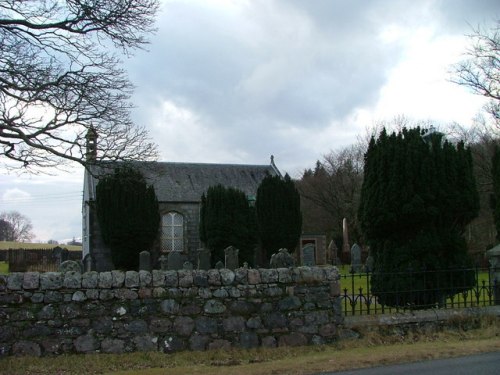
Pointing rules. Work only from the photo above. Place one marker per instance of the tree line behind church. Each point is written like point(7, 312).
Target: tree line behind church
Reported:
point(128, 216)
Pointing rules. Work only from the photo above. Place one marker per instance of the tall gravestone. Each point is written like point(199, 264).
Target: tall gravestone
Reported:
point(333, 250)
point(144, 261)
point(356, 258)
point(369, 263)
point(60, 254)
point(163, 262)
point(308, 255)
point(345, 240)
point(231, 257)
point(204, 259)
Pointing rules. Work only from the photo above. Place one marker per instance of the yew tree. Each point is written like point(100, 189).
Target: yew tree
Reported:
point(279, 217)
point(128, 215)
point(418, 196)
point(226, 219)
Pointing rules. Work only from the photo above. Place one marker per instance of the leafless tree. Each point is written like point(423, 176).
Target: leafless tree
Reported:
point(482, 138)
point(481, 70)
point(333, 188)
point(60, 76)
point(20, 227)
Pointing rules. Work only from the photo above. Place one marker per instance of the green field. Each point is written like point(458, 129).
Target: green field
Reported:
point(4, 268)
point(6, 245)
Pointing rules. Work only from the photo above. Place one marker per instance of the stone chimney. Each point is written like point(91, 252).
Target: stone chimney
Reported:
point(91, 137)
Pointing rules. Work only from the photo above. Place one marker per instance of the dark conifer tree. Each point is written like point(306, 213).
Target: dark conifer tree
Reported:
point(226, 220)
point(418, 195)
point(278, 215)
point(128, 216)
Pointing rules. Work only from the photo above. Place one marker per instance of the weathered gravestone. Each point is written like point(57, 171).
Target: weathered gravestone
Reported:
point(144, 261)
point(231, 257)
point(333, 251)
point(356, 258)
point(345, 238)
point(70, 265)
point(187, 265)
point(175, 260)
point(204, 259)
point(281, 259)
point(60, 254)
point(369, 263)
point(219, 265)
point(308, 255)
point(163, 262)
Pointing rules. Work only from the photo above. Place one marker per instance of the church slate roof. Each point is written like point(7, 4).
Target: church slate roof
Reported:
point(186, 182)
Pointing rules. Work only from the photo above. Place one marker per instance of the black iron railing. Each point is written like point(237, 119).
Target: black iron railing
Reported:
point(358, 298)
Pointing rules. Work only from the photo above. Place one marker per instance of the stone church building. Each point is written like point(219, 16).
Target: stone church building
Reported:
point(178, 187)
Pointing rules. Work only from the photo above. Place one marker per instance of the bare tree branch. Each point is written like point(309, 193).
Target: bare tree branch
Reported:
point(58, 79)
point(480, 71)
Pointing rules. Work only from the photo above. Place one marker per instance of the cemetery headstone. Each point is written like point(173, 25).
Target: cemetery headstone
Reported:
point(175, 260)
point(356, 258)
point(187, 265)
point(219, 265)
point(60, 254)
point(282, 259)
point(144, 261)
point(70, 265)
point(204, 259)
point(308, 255)
point(345, 237)
point(163, 262)
point(333, 250)
point(369, 263)
point(231, 257)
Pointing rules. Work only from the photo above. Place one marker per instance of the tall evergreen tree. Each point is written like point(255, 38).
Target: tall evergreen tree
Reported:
point(496, 188)
point(128, 216)
point(417, 197)
point(278, 215)
point(226, 220)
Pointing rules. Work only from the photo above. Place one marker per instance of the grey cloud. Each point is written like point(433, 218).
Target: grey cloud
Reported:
point(227, 71)
point(272, 65)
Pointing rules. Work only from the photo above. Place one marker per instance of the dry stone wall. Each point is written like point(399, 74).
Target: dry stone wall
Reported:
point(115, 312)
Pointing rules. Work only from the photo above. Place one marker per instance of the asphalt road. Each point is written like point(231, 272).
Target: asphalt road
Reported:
point(481, 364)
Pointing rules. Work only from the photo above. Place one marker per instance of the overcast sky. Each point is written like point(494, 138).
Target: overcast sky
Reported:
point(234, 81)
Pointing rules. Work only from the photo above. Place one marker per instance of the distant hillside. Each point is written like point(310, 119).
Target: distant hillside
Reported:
point(5, 245)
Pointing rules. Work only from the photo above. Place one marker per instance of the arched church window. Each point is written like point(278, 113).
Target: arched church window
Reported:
point(172, 232)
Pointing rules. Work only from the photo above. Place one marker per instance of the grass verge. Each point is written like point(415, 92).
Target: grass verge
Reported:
point(372, 349)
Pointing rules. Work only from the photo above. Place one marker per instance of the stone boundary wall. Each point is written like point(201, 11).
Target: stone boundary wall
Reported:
point(114, 312)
